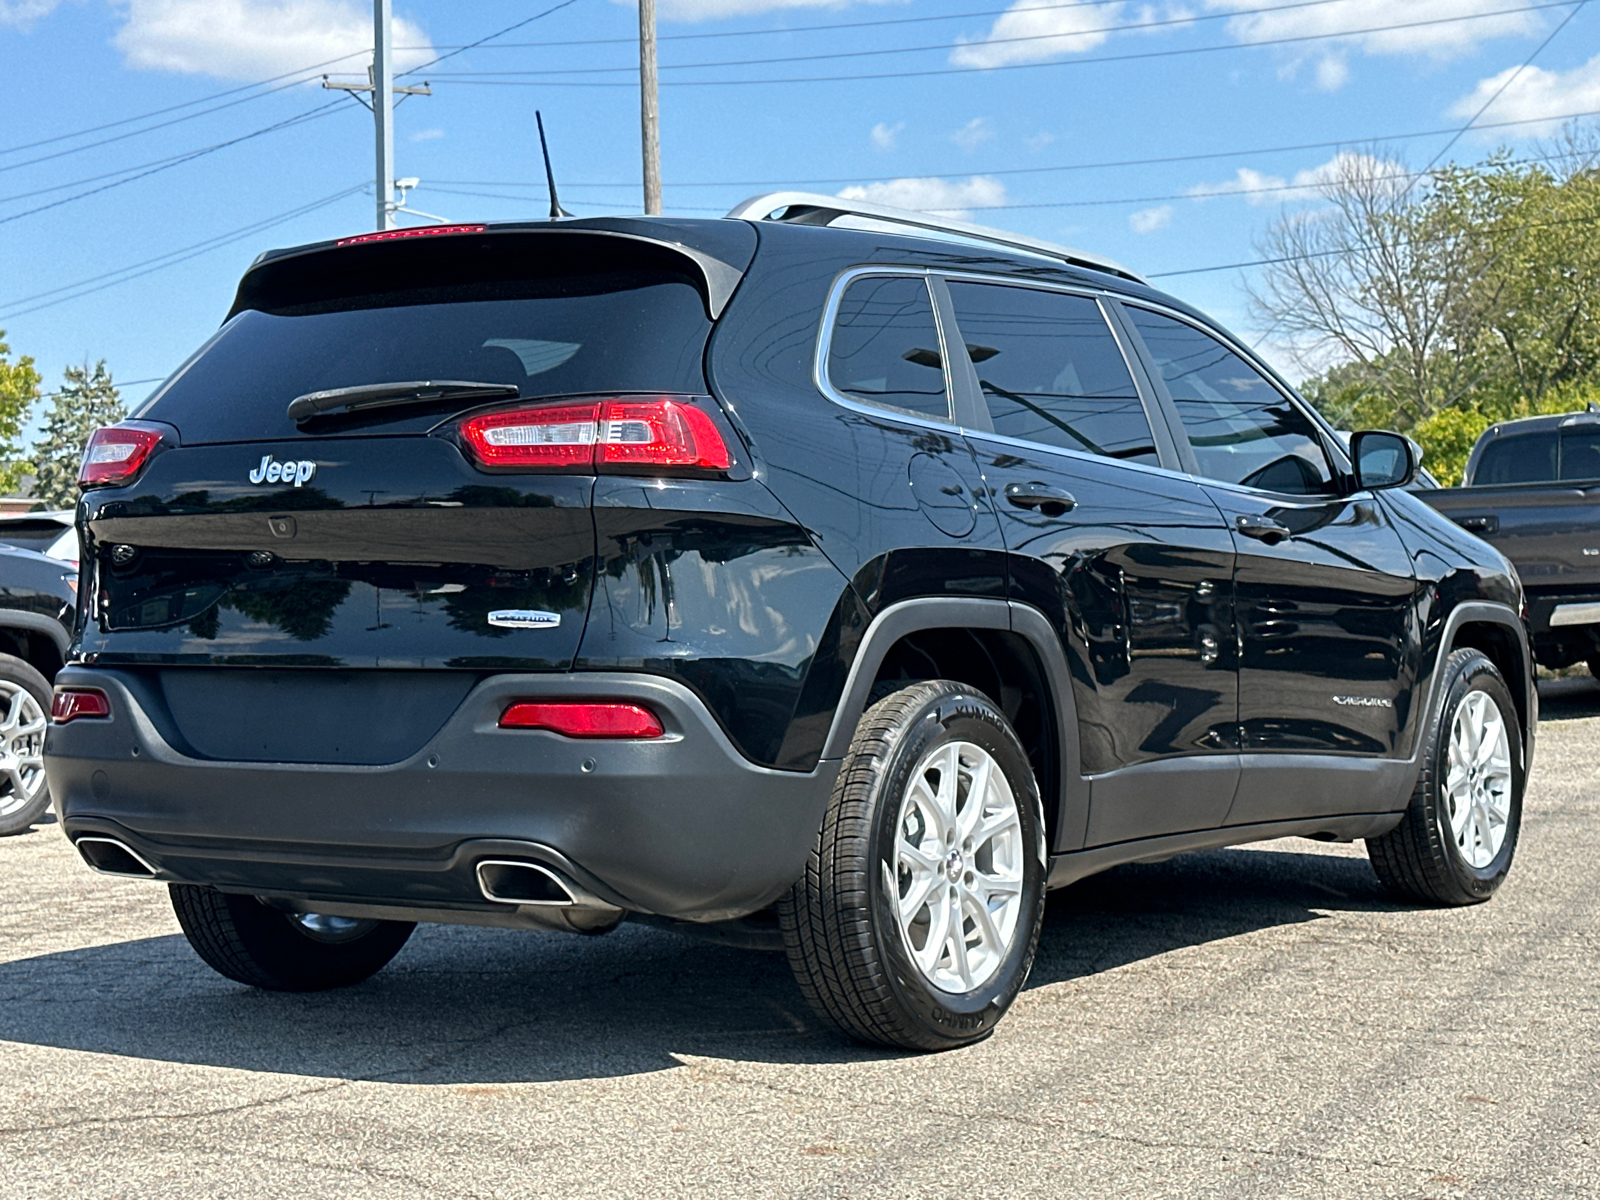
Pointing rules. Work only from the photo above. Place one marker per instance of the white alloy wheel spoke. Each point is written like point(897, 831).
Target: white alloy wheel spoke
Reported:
point(977, 799)
point(13, 712)
point(938, 936)
point(958, 944)
point(922, 891)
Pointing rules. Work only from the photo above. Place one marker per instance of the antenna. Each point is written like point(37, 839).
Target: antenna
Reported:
point(556, 211)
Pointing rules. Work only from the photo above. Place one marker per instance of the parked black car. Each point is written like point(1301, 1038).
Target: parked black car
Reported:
point(38, 597)
point(881, 578)
point(1532, 489)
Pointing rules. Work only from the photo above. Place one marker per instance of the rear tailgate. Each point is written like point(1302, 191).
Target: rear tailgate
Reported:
point(333, 558)
point(1550, 531)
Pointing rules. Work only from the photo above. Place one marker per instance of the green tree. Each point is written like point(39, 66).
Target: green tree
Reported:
point(87, 400)
point(19, 388)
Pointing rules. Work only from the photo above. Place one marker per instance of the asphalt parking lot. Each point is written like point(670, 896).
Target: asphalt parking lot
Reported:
point(1260, 1022)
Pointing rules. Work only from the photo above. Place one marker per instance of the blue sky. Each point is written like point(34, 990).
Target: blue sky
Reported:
point(967, 105)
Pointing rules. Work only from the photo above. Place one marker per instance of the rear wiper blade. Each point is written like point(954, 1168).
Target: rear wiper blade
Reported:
point(384, 395)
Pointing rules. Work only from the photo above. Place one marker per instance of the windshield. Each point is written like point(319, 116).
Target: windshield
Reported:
point(640, 330)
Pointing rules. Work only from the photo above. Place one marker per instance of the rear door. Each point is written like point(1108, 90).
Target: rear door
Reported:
point(1324, 592)
point(1131, 562)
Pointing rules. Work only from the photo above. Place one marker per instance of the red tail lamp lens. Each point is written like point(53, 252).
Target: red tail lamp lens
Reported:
point(395, 235)
point(584, 718)
point(68, 704)
point(116, 454)
point(649, 431)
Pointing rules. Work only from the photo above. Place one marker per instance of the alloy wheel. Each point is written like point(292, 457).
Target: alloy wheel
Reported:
point(1477, 784)
point(21, 748)
point(957, 870)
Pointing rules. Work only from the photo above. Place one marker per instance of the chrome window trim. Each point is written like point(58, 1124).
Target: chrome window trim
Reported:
point(830, 313)
point(819, 369)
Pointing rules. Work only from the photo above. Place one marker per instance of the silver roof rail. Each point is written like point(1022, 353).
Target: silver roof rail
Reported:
point(810, 208)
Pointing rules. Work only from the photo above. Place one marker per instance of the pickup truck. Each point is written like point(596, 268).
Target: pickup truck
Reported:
point(1532, 489)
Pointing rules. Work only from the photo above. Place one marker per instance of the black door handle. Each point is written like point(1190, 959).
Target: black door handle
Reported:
point(1263, 529)
point(1042, 497)
point(1479, 524)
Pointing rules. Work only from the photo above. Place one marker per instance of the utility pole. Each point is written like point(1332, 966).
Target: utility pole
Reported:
point(649, 111)
point(383, 110)
point(380, 83)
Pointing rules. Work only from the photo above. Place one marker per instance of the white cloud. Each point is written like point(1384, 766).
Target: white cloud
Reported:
point(1244, 180)
point(884, 134)
point(25, 12)
point(1045, 28)
point(973, 134)
point(256, 39)
point(1149, 220)
point(1257, 187)
point(1332, 73)
point(1449, 39)
point(1536, 94)
point(943, 196)
point(1039, 140)
point(427, 135)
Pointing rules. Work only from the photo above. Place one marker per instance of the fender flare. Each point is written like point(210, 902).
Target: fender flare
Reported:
point(1475, 611)
point(33, 622)
point(936, 612)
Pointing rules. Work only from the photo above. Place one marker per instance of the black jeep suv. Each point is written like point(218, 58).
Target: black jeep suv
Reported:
point(873, 575)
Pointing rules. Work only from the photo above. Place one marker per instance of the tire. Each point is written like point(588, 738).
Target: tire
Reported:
point(1444, 850)
point(24, 715)
point(244, 939)
point(860, 966)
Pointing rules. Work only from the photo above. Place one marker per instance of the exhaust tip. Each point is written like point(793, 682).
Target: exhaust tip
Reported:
point(111, 857)
point(507, 882)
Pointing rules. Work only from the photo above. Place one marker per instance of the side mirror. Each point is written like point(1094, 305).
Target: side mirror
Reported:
point(1383, 460)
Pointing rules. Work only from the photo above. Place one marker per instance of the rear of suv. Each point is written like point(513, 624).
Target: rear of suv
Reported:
point(755, 572)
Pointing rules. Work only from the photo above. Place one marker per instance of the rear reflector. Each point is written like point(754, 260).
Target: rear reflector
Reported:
point(642, 432)
point(68, 704)
point(394, 235)
point(116, 453)
point(584, 718)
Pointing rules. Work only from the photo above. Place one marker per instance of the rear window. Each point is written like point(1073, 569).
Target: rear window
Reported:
point(579, 331)
point(1580, 453)
point(1526, 458)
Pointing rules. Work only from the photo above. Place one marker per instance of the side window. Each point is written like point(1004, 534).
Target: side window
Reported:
point(1243, 430)
point(1580, 453)
point(1051, 371)
point(1524, 458)
point(884, 347)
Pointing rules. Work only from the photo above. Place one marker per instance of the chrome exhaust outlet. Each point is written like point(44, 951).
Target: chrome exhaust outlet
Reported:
point(111, 857)
point(545, 896)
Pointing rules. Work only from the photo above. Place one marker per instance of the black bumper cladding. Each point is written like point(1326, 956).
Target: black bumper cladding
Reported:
point(680, 826)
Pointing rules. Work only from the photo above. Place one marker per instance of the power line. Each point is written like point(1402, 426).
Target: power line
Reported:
point(1090, 166)
point(96, 283)
point(289, 123)
point(472, 78)
point(61, 137)
point(1045, 37)
point(491, 37)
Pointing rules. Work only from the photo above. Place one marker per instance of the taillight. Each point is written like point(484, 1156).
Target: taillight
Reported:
point(68, 704)
point(116, 453)
point(627, 433)
point(584, 718)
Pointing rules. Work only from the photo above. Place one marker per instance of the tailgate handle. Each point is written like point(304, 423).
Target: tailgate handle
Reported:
point(1479, 524)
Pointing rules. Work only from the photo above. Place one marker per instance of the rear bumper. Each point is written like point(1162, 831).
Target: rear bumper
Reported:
point(681, 826)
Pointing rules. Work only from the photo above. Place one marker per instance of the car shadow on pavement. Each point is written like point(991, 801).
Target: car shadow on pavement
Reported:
point(462, 1005)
